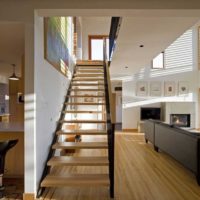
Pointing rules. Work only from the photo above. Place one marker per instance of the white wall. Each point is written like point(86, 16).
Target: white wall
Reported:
point(50, 88)
point(180, 67)
point(93, 26)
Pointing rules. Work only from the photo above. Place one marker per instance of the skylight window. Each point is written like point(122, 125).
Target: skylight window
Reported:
point(158, 61)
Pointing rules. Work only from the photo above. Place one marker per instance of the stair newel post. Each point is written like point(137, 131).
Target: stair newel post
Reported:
point(110, 124)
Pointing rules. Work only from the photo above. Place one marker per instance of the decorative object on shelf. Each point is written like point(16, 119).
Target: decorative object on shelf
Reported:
point(169, 88)
point(88, 99)
point(142, 88)
point(20, 98)
point(155, 89)
point(13, 76)
point(183, 88)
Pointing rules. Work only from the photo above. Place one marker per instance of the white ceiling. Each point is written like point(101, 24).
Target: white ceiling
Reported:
point(155, 33)
point(11, 47)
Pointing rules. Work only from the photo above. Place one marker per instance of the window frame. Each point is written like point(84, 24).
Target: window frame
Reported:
point(93, 37)
point(163, 55)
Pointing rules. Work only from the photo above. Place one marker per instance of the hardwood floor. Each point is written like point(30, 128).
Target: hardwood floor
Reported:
point(140, 174)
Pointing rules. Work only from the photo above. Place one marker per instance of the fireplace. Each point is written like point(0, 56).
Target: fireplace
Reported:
point(181, 120)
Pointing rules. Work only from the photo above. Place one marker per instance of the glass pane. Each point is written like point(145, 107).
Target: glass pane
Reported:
point(97, 49)
point(158, 61)
point(107, 48)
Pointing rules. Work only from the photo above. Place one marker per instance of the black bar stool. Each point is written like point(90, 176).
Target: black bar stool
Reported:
point(4, 147)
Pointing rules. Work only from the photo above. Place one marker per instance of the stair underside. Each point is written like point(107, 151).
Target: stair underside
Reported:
point(78, 161)
point(80, 145)
point(81, 132)
point(92, 180)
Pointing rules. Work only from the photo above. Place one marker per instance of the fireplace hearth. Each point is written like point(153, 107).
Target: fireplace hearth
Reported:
point(181, 120)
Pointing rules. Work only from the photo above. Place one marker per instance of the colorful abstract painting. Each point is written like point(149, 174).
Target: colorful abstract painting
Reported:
point(55, 37)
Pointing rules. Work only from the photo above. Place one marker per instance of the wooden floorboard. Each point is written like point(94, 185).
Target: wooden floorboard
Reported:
point(140, 174)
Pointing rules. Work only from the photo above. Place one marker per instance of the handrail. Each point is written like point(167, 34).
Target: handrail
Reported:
point(114, 31)
point(46, 170)
point(110, 121)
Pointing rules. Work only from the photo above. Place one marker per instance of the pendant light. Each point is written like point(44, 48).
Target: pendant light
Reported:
point(13, 76)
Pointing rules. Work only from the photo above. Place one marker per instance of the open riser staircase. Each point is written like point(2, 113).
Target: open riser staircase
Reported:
point(84, 129)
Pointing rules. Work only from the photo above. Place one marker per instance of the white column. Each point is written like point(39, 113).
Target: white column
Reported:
point(30, 111)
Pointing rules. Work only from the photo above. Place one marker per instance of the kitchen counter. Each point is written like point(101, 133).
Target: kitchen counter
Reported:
point(14, 165)
point(11, 127)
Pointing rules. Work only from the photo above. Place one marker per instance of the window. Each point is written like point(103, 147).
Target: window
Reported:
point(96, 47)
point(158, 61)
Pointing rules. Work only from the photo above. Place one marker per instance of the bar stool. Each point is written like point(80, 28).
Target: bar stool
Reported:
point(4, 147)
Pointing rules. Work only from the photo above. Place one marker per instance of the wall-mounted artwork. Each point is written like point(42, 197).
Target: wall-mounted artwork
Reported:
point(142, 88)
point(183, 88)
point(169, 88)
point(155, 89)
point(55, 43)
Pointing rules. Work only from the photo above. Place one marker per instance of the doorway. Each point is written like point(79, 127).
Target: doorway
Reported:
point(96, 46)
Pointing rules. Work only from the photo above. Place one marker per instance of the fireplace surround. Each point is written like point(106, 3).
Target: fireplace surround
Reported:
point(181, 120)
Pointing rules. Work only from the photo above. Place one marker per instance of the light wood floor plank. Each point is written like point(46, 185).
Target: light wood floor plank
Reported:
point(140, 174)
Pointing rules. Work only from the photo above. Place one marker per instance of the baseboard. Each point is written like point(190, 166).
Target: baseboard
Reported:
point(130, 130)
point(28, 196)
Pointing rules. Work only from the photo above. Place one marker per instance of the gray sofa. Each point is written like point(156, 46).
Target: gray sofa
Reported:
point(182, 145)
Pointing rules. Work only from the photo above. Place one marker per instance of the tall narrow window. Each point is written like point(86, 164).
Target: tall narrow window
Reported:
point(158, 61)
point(96, 47)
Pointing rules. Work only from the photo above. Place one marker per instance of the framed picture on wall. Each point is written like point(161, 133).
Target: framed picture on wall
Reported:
point(183, 88)
point(155, 89)
point(142, 88)
point(169, 88)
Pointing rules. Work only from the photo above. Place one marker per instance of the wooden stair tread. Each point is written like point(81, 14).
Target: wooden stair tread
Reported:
point(80, 145)
point(76, 180)
point(78, 161)
point(83, 96)
point(83, 121)
point(88, 75)
point(85, 89)
point(81, 132)
point(94, 66)
point(88, 104)
point(82, 111)
point(94, 62)
point(87, 79)
point(90, 71)
point(87, 84)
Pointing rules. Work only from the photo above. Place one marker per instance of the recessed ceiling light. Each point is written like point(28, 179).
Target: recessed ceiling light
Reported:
point(141, 45)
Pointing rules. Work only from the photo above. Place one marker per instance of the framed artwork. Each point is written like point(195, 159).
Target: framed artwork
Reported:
point(142, 88)
point(55, 47)
point(169, 88)
point(183, 88)
point(155, 89)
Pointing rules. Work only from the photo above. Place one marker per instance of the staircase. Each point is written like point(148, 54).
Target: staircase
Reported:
point(87, 110)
